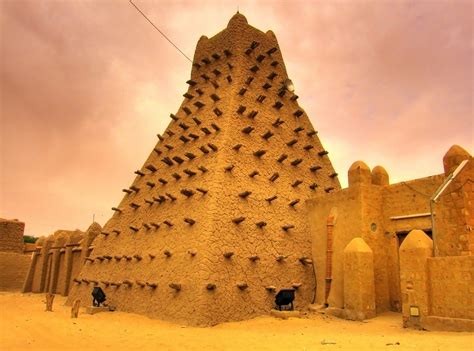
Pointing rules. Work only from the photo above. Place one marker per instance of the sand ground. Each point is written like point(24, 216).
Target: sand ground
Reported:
point(24, 325)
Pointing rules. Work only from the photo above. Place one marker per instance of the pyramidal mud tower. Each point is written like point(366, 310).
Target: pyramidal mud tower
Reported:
point(215, 222)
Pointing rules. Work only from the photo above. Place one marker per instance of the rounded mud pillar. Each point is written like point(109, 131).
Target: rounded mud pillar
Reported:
point(359, 284)
point(414, 252)
point(359, 173)
point(380, 176)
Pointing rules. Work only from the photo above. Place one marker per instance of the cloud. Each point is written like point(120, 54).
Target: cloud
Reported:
point(85, 86)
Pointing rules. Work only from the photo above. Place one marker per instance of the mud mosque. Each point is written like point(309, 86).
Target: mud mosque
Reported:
point(239, 200)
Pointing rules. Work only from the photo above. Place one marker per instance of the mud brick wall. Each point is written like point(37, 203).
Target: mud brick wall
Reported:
point(455, 216)
point(451, 286)
point(11, 235)
point(364, 210)
point(214, 223)
point(13, 270)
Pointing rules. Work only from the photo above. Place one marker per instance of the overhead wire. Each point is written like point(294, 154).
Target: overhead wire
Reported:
point(163, 34)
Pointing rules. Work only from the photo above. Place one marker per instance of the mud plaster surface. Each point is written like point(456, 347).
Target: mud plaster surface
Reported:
point(214, 233)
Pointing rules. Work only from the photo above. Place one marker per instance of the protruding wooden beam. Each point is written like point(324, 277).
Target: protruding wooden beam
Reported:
point(242, 285)
point(204, 149)
point(175, 286)
point(216, 56)
point(274, 176)
point(227, 52)
point(287, 227)
point(167, 253)
point(308, 147)
point(189, 172)
point(228, 254)
point(187, 110)
point(298, 113)
point(314, 168)
point(271, 289)
point(134, 205)
point(278, 122)
point(190, 221)
point(147, 226)
point(155, 225)
point(272, 75)
point(294, 202)
point(229, 79)
point(215, 97)
point(292, 142)
point(184, 139)
point(158, 151)
point(248, 130)
point(272, 198)
point(329, 189)
point(282, 158)
point(260, 98)
point(203, 169)
point(260, 58)
point(266, 86)
point(311, 133)
point(137, 257)
point(202, 191)
point(163, 181)
point(215, 127)
point(105, 233)
point(190, 155)
point(281, 258)
point(149, 202)
point(245, 194)
point(206, 130)
point(322, 153)
point(277, 105)
point(253, 174)
point(313, 186)
point(298, 129)
point(305, 260)
point(199, 104)
point(128, 191)
point(296, 183)
point(254, 258)
point(140, 283)
point(238, 220)
point(217, 112)
point(118, 258)
point(241, 109)
point(211, 286)
point(170, 133)
point(267, 135)
point(242, 91)
point(188, 96)
point(169, 147)
point(135, 229)
point(296, 162)
point(192, 253)
point(261, 224)
point(274, 64)
point(212, 147)
point(187, 192)
point(237, 147)
point(127, 282)
point(168, 223)
point(229, 168)
point(152, 285)
point(160, 137)
point(140, 173)
point(296, 286)
point(191, 82)
point(152, 256)
point(259, 153)
point(254, 69)
point(193, 136)
point(171, 197)
point(167, 161)
point(333, 175)
point(150, 184)
point(116, 231)
point(272, 50)
point(197, 120)
point(216, 72)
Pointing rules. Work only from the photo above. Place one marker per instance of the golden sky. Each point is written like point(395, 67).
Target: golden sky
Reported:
point(85, 86)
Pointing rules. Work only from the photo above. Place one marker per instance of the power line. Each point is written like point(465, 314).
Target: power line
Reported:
point(163, 34)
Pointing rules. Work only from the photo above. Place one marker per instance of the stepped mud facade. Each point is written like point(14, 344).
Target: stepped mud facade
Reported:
point(214, 223)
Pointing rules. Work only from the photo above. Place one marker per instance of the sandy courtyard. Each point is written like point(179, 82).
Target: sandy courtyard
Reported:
point(25, 326)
